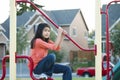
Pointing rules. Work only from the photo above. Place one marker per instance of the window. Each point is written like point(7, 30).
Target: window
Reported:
point(74, 32)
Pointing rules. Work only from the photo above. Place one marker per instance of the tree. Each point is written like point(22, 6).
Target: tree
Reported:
point(21, 39)
point(91, 34)
point(24, 7)
point(91, 38)
point(115, 37)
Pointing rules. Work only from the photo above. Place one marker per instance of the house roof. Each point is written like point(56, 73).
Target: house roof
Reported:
point(21, 20)
point(114, 15)
point(2, 29)
point(62, 17)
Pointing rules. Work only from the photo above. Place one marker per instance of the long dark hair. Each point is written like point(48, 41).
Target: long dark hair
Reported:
point(39, 32)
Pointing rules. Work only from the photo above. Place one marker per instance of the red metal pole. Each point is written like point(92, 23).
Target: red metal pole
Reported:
point(107, 43)
point(17, 57)
point(107, 35)
point(31, 65)
point(26, 1)
point(4, 67)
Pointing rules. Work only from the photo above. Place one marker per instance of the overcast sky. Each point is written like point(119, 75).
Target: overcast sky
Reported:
point(86, 6)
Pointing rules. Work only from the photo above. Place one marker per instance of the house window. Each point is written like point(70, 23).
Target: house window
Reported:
point(74, 32)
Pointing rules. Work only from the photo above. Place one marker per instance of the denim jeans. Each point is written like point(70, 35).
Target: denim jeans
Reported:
point(48, 66)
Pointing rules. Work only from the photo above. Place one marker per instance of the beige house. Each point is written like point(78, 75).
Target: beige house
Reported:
point(78, 31)
point(71, 20)
point(3, 42)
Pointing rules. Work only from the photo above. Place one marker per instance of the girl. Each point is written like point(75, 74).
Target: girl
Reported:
point(44, 63)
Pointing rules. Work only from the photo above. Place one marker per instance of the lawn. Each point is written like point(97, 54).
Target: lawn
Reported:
point(74, 78)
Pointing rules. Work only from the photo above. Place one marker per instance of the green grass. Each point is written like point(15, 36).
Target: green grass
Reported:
point(74, 78)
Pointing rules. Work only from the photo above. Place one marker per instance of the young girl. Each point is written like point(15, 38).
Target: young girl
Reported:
point(44, 63)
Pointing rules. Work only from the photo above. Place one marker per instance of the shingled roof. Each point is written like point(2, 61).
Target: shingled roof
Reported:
point(114, 15)
point(21, 20)
point(62, 16)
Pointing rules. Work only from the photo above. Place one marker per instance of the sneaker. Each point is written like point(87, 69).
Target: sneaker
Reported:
point(43, 76)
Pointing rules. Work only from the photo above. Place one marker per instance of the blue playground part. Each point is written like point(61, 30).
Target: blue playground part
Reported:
point(116, 72)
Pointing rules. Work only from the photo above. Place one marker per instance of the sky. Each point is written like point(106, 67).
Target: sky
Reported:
point(86, 6)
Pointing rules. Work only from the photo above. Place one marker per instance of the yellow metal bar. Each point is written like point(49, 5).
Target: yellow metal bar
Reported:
point(12, 40)
point(98, 57)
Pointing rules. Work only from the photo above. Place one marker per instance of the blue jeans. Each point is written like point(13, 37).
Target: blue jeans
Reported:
point(48, 66)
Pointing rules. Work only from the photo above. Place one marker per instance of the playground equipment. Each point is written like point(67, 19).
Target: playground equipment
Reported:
point(107, 41)
point(18, 57)
point(26, 57)
point(44, 15)
point(116, 70)
point(116, 73)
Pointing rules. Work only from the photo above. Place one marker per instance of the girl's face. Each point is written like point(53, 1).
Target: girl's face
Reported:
point(46, 32)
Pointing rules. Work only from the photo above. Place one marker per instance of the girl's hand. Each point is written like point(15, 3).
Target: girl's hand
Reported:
point(62, 31)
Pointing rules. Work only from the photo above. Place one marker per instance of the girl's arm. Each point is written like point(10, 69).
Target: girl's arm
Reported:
point(62, 37)
point(61, 34)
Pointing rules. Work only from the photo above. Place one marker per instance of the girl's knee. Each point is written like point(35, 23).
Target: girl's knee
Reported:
point(52, 57)
point(68, 69)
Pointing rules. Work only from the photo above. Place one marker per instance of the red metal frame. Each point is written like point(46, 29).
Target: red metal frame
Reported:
point(107, 34)
point(17, 57)
point(42, 13)
point(4, 67)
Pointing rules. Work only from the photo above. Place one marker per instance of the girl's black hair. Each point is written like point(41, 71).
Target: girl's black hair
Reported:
point(39, 32)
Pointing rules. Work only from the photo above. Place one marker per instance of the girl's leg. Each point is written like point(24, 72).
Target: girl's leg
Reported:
point(46, 65)
point(67, 73)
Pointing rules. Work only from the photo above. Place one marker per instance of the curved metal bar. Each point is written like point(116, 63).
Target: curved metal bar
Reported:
point(4, 67)
point(26, 1)
point(31, 65)
point(17, 57)
point(107, 34)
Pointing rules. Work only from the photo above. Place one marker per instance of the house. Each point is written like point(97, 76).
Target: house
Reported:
point(114, 19)
point(4, 32)
point(71, 20)
point(3, 42)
